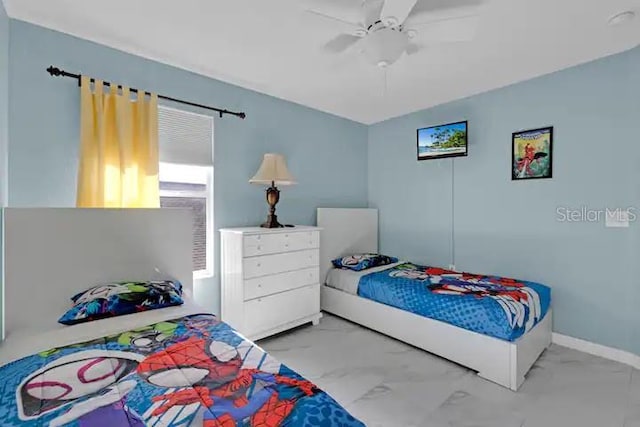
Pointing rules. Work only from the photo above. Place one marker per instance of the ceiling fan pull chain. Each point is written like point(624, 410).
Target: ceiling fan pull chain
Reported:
point(385, 82)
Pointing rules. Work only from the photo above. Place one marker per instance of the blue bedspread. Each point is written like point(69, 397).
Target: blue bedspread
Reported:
point(192, 371)
point(496, 306)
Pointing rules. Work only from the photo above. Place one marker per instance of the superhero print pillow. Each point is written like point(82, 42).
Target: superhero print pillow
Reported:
point(117, 299)
point(361, 262)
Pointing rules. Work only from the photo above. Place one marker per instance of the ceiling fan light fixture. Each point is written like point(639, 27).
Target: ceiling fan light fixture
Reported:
point(384, 46)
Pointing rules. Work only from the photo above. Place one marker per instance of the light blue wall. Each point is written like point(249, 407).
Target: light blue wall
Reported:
point(326, 154)
point(510, 228)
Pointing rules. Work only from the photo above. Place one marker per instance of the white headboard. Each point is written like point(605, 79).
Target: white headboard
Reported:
point(51, 254)
point(345, 232)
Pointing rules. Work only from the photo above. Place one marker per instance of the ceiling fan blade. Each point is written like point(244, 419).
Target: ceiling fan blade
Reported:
point(341, 43)
point(396, 12)
point(372, 11)
point(348, 57)
point(435, 10)
point(335, 20)
point(448, 30)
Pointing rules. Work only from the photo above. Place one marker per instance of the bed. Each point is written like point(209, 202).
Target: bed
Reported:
point(175, 366)
point(420, 305)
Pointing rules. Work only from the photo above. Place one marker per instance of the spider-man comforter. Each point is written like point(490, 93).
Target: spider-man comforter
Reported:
point(495, 306)
point(192, 371)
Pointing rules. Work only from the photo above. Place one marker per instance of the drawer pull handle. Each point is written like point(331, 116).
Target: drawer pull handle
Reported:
point(258, 238)
point(258, 265)
point(286, 245)
point(259, 286)
point(259, 248)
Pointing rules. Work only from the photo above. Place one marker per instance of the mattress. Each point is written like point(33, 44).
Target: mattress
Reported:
point(170, 367)
point(499, 307)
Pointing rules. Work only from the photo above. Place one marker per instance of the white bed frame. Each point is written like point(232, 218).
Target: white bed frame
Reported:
point(51, 254)
point(348, 231)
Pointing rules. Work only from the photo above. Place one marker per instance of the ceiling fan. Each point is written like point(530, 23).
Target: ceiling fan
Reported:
point(383, 30)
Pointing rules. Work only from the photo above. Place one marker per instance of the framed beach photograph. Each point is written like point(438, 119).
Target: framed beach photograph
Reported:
point(437, 142)
point(532, 154)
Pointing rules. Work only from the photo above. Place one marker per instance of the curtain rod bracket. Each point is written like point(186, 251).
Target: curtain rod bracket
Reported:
point(57, 72)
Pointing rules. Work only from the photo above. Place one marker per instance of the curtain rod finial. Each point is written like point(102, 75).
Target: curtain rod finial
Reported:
point(54, 71)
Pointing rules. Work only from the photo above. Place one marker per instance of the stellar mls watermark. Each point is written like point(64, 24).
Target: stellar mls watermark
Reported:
point(609, 216)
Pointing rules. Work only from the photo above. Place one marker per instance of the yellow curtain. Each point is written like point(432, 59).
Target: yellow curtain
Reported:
point(118, 149)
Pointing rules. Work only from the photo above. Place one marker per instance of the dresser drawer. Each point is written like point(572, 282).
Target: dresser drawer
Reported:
point(266, 313)
point(269, 285)
point(303, 240)
point(264, 244)
point(280, 263)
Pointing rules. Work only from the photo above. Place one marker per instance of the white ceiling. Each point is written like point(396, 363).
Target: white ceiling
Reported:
point(275, 47)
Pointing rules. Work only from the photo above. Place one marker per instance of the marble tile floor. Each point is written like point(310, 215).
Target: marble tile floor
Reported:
point(384, 382)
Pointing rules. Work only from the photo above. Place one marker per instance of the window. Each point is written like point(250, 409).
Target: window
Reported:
point(186, 177)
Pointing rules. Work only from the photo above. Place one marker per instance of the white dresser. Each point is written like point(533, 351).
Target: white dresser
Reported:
point(270, 279)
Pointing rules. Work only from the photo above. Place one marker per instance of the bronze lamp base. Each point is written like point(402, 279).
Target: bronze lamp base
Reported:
point(273, 197)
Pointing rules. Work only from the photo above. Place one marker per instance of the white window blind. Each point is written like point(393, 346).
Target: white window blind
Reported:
point(185, 137)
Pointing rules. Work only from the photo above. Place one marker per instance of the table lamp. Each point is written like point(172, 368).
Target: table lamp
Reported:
point(273, 170)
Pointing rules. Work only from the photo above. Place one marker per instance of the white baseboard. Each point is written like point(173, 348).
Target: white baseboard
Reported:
point(605, 352)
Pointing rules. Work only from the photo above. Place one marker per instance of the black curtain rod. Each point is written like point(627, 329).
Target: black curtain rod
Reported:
point(57, 72)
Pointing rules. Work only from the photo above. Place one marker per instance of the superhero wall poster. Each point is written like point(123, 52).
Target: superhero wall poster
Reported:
point(532, 154)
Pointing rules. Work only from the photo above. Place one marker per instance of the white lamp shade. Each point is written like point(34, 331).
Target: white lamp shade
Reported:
point(273, 169)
